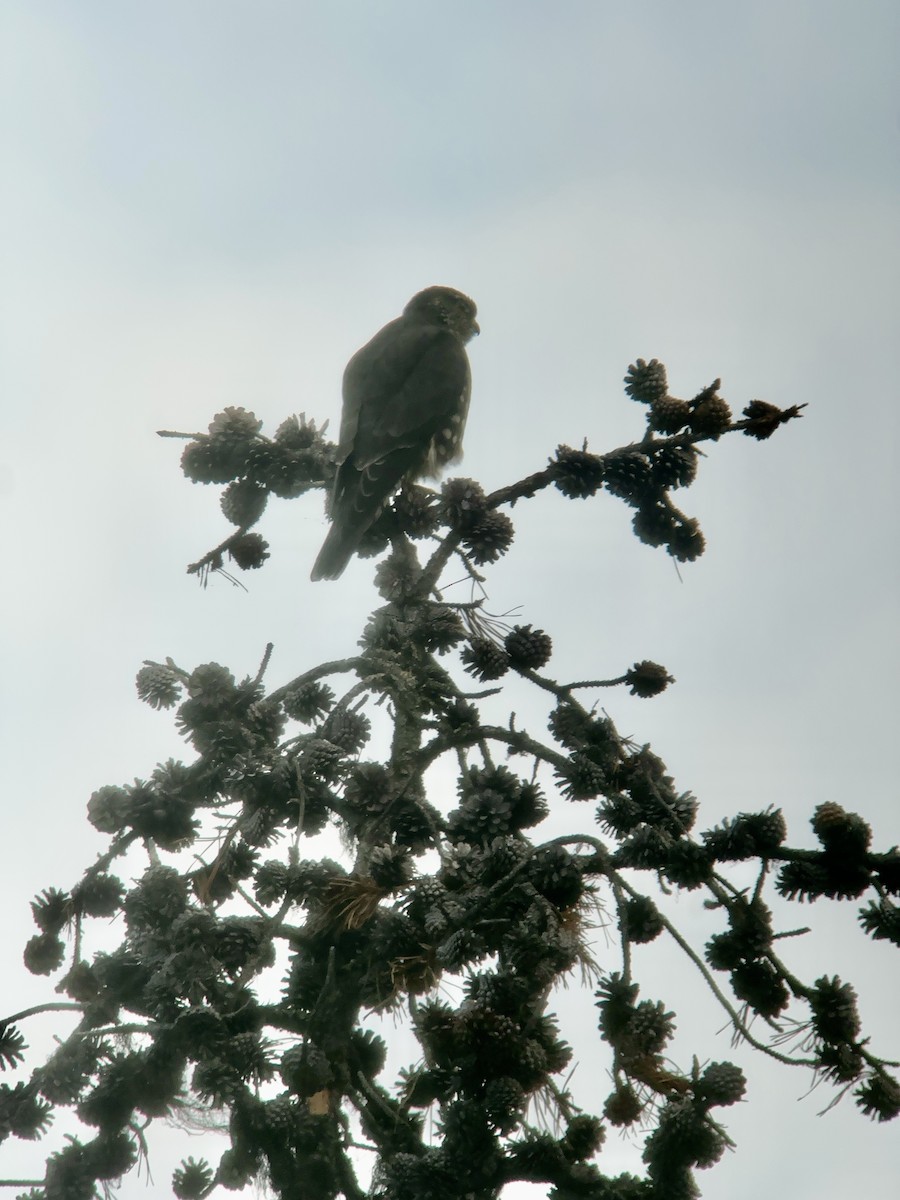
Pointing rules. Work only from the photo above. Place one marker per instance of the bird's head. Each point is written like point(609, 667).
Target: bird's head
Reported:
point(445, 306)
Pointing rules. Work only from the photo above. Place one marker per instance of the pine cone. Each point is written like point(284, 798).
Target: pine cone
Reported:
point(309, 701)
point(711, 415)
point(462, 503)
point(721, 1084)
point(686, 542)
point(578, 474)
point(213, 461)
point(628, 476)
point(485, 659)
point(416, 510)
point(528, 649)
point(653, 524)
point(235, 423)
point(158, 686)
point(646, 381)
point(669, 415)
point(490, 538)
point(647, 679)
point(622, 1107)
point(763, 418)
point(674, 466)
point(243, 502)
point(249, 551)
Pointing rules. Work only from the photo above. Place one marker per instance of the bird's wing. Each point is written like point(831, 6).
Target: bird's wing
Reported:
point(399, 389)
point(406, 385)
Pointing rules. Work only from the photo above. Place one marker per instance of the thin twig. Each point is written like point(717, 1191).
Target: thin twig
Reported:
point(736, 1021)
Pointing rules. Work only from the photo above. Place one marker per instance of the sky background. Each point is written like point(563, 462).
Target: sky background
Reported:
point(215, 203)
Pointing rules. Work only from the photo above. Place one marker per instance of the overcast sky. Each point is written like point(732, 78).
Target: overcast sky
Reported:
point(213, 203)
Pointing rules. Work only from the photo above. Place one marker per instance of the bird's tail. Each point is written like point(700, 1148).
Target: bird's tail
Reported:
point(336, 552)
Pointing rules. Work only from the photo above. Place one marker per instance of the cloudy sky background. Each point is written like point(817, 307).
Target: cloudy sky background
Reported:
point(216, 203)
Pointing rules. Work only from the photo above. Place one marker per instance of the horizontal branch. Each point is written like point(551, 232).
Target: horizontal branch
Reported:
point(52, 1006)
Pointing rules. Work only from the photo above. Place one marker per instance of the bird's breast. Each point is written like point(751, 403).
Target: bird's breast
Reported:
point(445, 446)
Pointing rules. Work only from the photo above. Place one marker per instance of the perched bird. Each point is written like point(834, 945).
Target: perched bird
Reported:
point(406, 397)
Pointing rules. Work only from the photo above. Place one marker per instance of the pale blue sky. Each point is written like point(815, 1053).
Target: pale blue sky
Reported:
point(212, 203)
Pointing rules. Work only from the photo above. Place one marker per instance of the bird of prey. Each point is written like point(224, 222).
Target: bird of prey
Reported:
point(406, 397)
